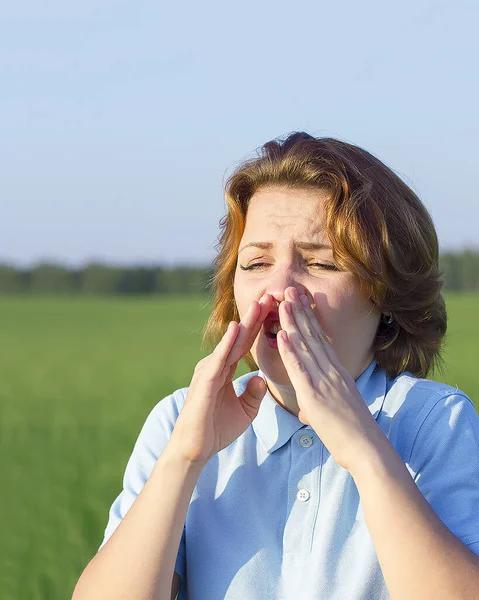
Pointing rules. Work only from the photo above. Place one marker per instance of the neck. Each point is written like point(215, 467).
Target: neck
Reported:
point(285, 395)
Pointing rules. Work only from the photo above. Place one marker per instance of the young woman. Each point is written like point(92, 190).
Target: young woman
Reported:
point(334, 470)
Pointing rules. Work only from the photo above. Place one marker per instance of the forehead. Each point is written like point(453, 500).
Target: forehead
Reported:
point(286, 212)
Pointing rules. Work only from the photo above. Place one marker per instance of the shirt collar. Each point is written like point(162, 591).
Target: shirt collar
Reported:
point(274, 425)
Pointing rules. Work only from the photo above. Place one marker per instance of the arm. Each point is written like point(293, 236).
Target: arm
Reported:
point(139, 559)
point(419, 556)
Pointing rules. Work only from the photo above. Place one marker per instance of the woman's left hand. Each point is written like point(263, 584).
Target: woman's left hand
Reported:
point(326, 393)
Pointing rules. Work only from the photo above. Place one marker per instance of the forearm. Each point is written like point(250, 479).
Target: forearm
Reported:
point(419, 556)
point(137, 562)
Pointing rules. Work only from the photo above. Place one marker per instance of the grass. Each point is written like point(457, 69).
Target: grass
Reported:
point(78, 378)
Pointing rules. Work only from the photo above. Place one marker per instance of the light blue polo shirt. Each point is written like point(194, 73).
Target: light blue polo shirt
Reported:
point(274, 517)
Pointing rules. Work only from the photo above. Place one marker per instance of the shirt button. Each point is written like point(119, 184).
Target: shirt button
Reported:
point(306, 441)
point(303, 495)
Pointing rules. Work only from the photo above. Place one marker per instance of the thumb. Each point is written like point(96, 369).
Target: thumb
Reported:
point(253, 394)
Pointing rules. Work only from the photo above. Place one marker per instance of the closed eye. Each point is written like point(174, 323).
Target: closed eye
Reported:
point(253, 266)
point(324, 266)
point(260, 265)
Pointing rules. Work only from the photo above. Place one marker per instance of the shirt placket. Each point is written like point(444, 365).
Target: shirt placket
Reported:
point(303, 494)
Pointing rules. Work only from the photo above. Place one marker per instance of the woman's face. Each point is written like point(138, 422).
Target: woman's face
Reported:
point(281, 247)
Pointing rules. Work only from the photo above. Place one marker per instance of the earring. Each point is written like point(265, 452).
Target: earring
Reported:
point(387, 320)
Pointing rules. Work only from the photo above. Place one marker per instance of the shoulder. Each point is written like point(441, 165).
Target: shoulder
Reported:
point(162, 418)
point(420, 394)
point(160, 422)
point(436, 429)
point(417, 408)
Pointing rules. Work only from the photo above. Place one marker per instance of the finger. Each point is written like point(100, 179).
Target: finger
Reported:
point(250, 326)
point(316, 327)
point(223, 348)
point(265, 304)
point(244, 327)
point(231, 371)
point(209, 369)
point(310, 329)
point(225, 358)
point(252, 396)
point(297, 341)
point(295, 367)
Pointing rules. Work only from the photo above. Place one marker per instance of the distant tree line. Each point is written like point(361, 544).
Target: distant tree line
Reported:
point(461, 273)
point(48, 278)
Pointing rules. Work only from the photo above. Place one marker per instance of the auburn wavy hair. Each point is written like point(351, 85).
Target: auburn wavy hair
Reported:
point(378, 228)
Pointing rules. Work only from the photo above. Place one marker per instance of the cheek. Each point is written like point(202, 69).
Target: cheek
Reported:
point(245, 291)
point(341, 310)
point(354, 317)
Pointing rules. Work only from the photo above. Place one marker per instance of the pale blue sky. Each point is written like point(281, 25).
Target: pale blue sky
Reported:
point(119, 120)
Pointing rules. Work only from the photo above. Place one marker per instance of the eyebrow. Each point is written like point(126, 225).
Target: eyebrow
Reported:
point(301, 245)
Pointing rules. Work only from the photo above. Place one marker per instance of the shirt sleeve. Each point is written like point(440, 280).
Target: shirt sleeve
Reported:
point(151, 441)
point(445, 464)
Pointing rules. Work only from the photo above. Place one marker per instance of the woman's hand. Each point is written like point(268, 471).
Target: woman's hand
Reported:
point(213, 416)
point(326, 393)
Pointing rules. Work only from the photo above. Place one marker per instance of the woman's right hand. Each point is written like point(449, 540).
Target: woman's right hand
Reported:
point(213, 416)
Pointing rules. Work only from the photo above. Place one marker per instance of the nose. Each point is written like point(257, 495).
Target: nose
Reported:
point(279, 282)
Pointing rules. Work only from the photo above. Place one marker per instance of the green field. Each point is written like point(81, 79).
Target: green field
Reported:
point(78, 378)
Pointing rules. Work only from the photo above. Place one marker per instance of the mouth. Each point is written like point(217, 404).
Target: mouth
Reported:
point(271, 326)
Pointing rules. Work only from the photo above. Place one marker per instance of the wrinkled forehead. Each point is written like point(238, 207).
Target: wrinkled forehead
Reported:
point(279, 213)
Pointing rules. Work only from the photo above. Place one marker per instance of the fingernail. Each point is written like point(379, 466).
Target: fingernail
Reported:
point(294, 293)
point(304, 301)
